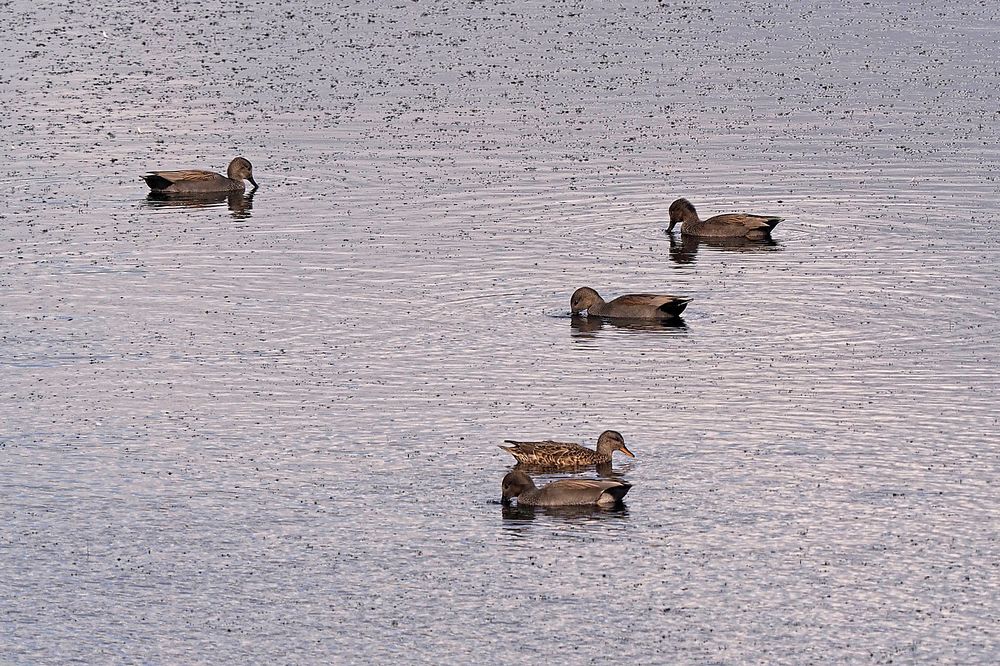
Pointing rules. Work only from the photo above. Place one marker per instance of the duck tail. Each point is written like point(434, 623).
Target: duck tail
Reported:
point(619, 492)
point(676, 306)
point(156, 181)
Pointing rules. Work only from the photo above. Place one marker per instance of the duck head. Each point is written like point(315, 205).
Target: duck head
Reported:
point(514, 484)
point(612, 440)
point(681, 211)
point(240, 169)
point(583, 298)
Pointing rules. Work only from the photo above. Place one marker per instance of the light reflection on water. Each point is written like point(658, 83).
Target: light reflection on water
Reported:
point(265, 427)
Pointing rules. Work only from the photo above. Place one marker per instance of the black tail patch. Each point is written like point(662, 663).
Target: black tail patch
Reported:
point(157, 182)
point(618, 492)
point(674, 307)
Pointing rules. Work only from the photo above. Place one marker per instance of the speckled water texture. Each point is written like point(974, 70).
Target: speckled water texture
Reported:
point(265, 430)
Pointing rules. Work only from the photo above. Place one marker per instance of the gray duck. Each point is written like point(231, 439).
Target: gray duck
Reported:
point(630, 306)
point(565, 492)
point(197, 181)
point(728, 225)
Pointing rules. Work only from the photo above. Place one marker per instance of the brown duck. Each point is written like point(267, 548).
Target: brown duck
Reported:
point(565, 492)
point(196, 181)
point(730, 225)
point(632, 306)
point(562, 454)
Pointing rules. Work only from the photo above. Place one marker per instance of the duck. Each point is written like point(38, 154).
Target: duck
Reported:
point(562, 454)
point(631, 306)
point(197, 181)
point(565, 492)
point(729, 225)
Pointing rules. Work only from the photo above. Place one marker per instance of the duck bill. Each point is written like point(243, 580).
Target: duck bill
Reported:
point(671, 227)
point(252, 182)
point(505, 501)
point(625, 450)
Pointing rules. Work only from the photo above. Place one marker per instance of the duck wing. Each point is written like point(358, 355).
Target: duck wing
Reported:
point(194, 179)
point(667, 303)
point(745, 220)
point(581, 491)
point(546, 452)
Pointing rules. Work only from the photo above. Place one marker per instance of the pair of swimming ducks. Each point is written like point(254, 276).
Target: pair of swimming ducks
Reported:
point(735, 226)
point(729, 225)
point(565, 492)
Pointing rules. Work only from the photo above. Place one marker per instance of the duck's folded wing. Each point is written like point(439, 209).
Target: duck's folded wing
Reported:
point(582, 491)
point(748, 221)
point(534, 445)
point(185, 176)
point(651, 300)
point(592, 485)
point(770, 220)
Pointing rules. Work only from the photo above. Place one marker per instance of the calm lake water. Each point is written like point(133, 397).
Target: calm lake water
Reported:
point(266, 430)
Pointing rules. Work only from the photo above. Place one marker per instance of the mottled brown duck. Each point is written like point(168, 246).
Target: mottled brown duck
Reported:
point(631, 306)
point(562, 454)
point(729, 225)
point(565, 492)
point(196, 181)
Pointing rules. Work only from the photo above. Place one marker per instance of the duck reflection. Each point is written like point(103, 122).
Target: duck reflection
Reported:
point(588, 325)
point(239, 204)
point(580, 514)
point(684, 249)
point(604, 470)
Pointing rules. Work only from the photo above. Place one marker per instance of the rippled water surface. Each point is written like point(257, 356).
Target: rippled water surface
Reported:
point(265, 429)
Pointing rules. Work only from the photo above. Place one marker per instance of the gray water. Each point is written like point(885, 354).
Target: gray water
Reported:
point(266, 430)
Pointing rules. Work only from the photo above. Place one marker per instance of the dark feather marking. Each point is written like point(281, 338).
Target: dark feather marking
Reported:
point(156, 181)
point(618, 492)
point(674, 307)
